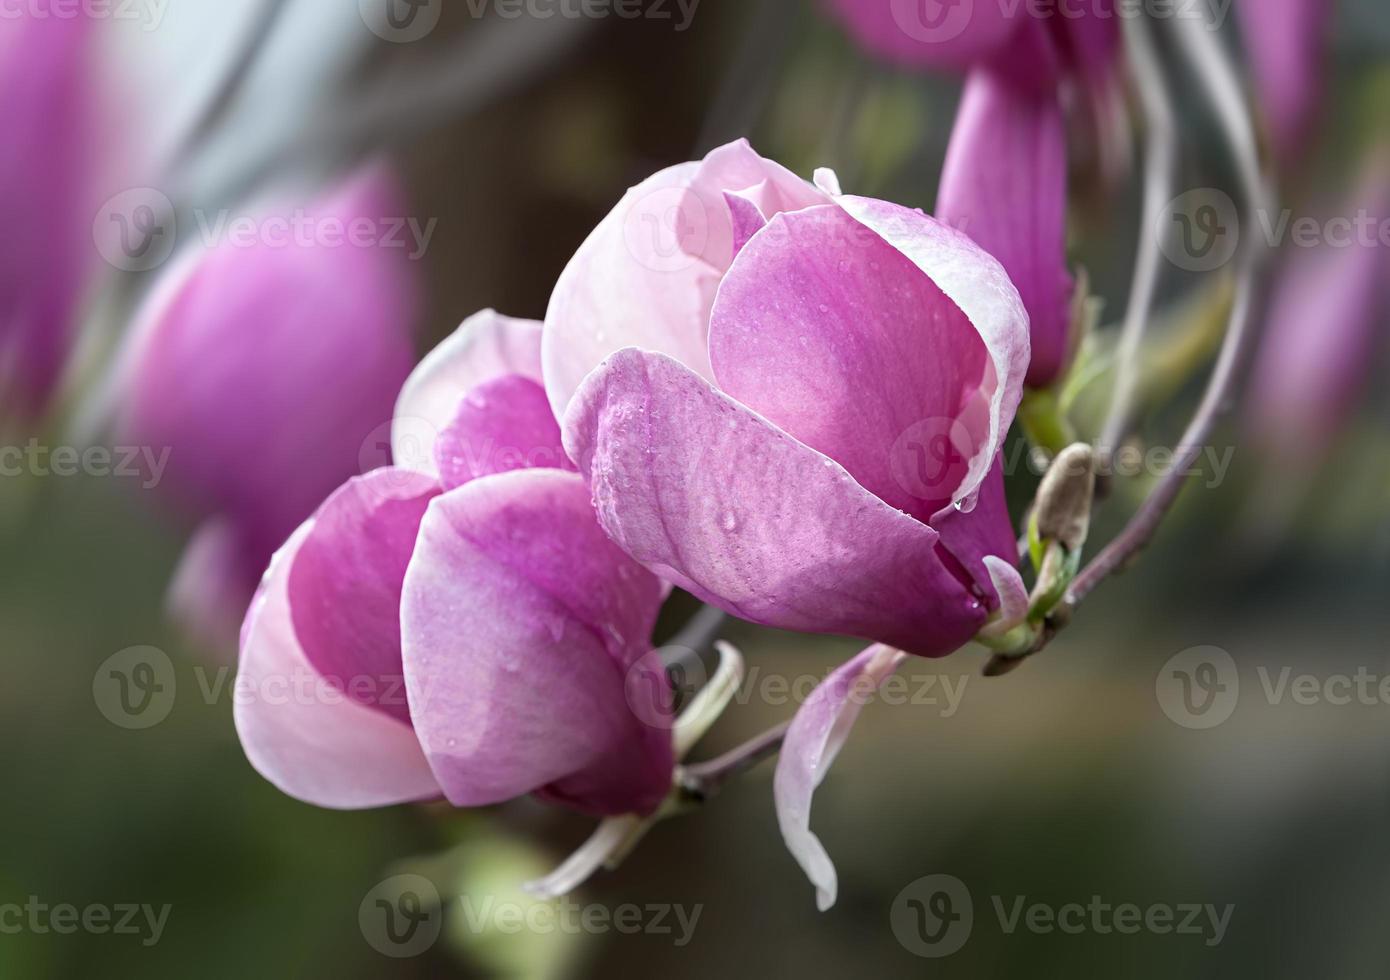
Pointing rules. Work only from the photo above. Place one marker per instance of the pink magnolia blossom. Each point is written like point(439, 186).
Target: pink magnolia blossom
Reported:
point(1286, 44)
point(1004, 184)
point(263, 369)
point(1326, 320)
point(483, 581)
point(794, 409)
point(47, 154)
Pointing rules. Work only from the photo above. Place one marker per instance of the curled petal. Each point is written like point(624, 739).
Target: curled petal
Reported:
point(647, 275)
point(976, 283)
point(972, 537)
point(819, 731)
point(487, 346)
point(502, 425)
point(522, 628)
point(1012, 593)
point(710, 496)
point(1016, 213)
point(836, 337)
point(301, 733)
point(345, 584)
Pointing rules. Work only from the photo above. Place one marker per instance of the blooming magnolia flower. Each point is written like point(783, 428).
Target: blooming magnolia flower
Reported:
point(485, 583)
point(1004, 184)
point(1286, 43)
point(263, 369)
point(45, 162)
point(814, 447)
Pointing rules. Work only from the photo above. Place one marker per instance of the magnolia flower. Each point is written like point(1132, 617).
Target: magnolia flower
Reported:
point(793, 407)
point(1317, 352)
point(483, 581)
point(263, 368)
point(1286, 44)
point(1004, 184)
point(46, 158)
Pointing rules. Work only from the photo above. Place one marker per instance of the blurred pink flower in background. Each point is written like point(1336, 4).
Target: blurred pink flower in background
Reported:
point(48, 155)
point(480, 578)
point(263, 367)
point(818, 451)
point(1327, 314)
point(1286, 43)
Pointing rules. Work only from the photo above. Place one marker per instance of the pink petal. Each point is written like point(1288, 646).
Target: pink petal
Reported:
point(49, 165)
point(934, 34)
point(1287, 42)
point(972, 537)
point(1325, 322)
point(710, 496)
point(521, 622)
point(1012, 593)
point(266, 369)
point(1016, 213)
point(485, 347)
point(215, 580)
point(981, 289)
point(504, 424)
point(303, 735)
point(345, 585)
point(839, 339)
point(647, 275)
point(819, 731)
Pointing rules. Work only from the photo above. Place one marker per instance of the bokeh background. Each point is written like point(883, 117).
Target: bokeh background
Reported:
point(1067, 779)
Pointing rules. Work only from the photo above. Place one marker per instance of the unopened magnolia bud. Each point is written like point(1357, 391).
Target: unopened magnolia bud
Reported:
point(1063, 510)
